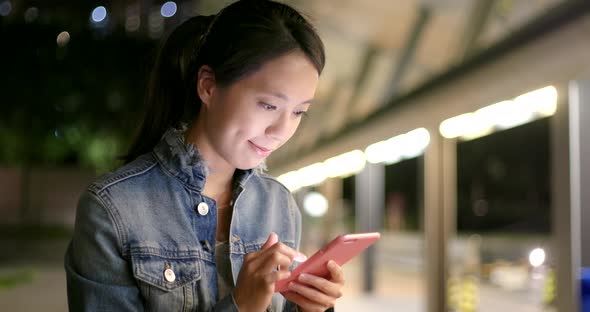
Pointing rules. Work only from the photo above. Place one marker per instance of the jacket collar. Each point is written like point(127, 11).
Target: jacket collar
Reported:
point(184, 161)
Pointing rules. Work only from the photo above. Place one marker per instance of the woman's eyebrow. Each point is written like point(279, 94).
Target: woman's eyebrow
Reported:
point(286, 98)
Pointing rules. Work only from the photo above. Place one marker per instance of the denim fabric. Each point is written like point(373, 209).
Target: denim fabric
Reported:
point(141, 220)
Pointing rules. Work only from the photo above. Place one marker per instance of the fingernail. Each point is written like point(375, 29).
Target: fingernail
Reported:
point(303, 277)
point(300, 257)
point(273, 238)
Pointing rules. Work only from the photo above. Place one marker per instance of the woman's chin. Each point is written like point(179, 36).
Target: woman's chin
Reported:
point(247, 165)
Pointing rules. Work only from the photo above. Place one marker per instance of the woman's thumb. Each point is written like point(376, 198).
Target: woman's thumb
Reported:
point(273, 238)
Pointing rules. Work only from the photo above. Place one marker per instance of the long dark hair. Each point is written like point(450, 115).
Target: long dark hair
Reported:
point(234, 43)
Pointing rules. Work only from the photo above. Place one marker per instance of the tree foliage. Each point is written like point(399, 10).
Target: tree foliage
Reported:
point(71, 105)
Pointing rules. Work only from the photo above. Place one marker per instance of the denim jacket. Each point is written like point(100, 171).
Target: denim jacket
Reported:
point(144, 240)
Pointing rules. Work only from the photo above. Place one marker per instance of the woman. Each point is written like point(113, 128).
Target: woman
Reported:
point(190, 222)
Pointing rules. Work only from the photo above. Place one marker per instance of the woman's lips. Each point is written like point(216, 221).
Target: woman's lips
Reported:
point(261, 151)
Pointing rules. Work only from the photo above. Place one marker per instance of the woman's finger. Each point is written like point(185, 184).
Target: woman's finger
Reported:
point(271, 261)
point(336, 272)
point(312, 294)
point(278, 247)
point(272, 239)
point(270, 258)
point(303, 302)
point(321, 284)
point(276, 276)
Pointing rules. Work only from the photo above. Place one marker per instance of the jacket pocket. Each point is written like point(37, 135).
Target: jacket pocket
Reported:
point(166, 278)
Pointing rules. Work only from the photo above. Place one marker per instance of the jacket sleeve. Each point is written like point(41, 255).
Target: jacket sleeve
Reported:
point(98, 277)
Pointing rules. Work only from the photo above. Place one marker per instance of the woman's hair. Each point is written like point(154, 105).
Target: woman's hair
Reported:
point(235, 43)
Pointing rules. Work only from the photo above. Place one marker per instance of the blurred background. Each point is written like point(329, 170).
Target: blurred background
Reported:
point(456, 128)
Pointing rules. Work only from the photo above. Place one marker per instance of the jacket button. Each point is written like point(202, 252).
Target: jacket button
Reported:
point(169, 275)
point(203, 208)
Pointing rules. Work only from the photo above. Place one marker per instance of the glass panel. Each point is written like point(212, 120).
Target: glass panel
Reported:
point(401, 265)
point(501, 257)
point(399, 255)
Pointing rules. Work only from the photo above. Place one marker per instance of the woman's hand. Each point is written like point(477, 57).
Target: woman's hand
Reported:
point(312, 293)
point(256, 281)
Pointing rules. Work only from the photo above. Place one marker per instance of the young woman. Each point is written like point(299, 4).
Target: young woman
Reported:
point(190, 223)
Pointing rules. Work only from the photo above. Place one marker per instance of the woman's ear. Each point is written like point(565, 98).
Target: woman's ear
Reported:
point(205, 84)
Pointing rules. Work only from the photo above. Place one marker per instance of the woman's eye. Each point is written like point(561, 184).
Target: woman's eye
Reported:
point(268, 106)
point(301, 114)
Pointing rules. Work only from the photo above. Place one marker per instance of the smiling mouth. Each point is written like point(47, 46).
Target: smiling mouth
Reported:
point(261, 151)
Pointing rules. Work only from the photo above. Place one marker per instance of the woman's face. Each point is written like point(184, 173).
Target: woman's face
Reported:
point(248, 120)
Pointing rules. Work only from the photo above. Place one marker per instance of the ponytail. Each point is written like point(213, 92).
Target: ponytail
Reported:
point(171, 93)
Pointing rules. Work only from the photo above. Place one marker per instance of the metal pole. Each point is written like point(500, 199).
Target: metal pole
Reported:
point(562, 215)
point(579, 195)
point(370, 205)
point(579, 126)
point(434, 225)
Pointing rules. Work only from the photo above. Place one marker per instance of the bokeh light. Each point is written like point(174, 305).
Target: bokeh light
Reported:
point(168, 9)
point(63, 38)
point(99, 14)
point(537, 257)
point(315, 204)
point(5, 8)
point(31, 14)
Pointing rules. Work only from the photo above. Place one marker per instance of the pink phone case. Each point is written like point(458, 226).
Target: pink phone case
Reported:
point(340, 249)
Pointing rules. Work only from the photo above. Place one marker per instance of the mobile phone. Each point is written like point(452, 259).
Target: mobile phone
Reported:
point(340, 249)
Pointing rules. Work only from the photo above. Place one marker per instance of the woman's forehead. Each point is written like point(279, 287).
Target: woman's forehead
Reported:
point(285, 76)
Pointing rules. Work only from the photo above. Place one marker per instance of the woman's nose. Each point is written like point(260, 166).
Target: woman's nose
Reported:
point(282, 128)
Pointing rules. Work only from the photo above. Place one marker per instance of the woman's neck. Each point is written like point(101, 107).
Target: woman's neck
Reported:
point(219, 190)
point(218, 184)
